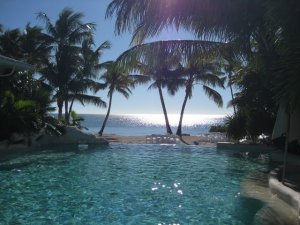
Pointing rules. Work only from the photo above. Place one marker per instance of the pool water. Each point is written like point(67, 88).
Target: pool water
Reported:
point(128, 184)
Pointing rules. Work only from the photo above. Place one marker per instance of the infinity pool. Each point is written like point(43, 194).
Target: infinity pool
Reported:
point(127, 184)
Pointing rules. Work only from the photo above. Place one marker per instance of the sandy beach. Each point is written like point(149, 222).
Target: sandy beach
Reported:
point(118, 139)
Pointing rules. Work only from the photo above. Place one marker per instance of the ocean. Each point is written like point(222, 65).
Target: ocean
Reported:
point(146, 124)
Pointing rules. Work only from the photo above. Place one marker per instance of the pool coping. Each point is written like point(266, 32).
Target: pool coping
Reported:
point(286, 194)
point(72, 136)
point(276, 187)
point(234, 147)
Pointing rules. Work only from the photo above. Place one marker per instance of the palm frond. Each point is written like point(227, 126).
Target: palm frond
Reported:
point(141, 79)
point(154, 85)
point(210, 79)
point(49, 26)
point(104, 45)
point(96, 86)
point(125, 92)
point(81, 32)
point(230, 104)
point(206, 19)
point(187, 49)
point(83, 98)
point(214, 95)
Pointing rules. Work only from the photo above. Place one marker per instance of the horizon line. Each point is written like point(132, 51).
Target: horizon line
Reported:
point(135, 114)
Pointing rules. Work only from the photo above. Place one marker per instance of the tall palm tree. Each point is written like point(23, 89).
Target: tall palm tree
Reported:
point(207, 76)
point(229, 72)
point(162, 68)
point(64, 36)
point(116, 79)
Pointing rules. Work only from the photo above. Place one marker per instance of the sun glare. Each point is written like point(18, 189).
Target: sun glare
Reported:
point(188, 119)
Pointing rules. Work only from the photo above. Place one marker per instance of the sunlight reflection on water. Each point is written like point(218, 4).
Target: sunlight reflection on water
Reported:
point(144, 124)
point(159, 120)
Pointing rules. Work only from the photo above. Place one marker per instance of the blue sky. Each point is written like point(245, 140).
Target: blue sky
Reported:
point(16, 13)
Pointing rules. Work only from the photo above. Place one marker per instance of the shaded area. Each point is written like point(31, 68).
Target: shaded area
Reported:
point(273, 211)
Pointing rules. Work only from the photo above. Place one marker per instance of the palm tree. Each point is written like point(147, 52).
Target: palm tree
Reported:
point(161, 61)
point(232, 66)
point(229, 72)
point(58, 75)
point(64, 37)
point(87, 74)
point(207, 76)
point(162, 79)
point(116, 79)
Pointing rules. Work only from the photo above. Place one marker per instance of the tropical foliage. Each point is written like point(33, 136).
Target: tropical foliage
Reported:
point(25, 102)
point(66, 64)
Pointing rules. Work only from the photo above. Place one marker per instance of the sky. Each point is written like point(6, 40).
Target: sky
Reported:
point(17, 13)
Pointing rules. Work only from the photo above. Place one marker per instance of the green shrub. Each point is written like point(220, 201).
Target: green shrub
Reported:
point(236, 126)
point(218, 128)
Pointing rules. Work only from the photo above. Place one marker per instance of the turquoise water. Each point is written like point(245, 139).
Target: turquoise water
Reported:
point(127, 184)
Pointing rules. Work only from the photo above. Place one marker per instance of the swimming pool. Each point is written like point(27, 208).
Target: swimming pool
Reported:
point(128, 184)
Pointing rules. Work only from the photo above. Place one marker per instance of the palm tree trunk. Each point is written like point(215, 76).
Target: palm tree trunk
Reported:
point(231, 91)
point(168, 127)
point(286, 146)
point(71, 106)
point(60, 106)
point(179, 129)
point(107, 115)
point(67, 117)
